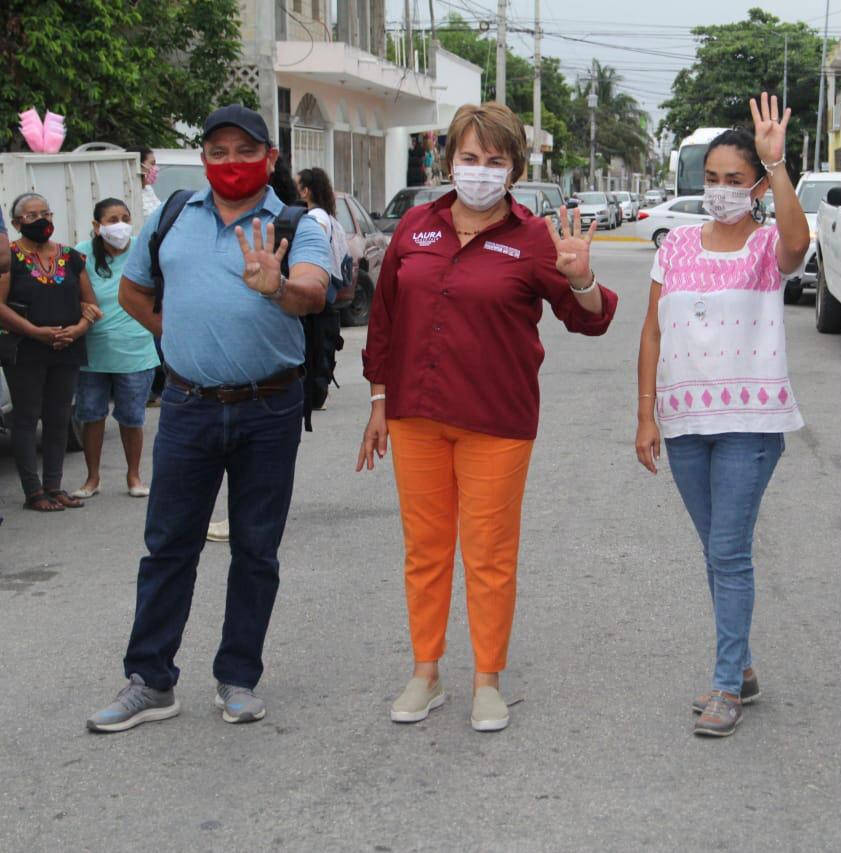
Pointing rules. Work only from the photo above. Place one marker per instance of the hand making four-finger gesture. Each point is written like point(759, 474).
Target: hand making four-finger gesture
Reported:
point(262, 266)
point(770, 128)
point(573, 250)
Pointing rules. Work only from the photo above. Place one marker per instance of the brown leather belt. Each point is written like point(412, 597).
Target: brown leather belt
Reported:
point(237, 393)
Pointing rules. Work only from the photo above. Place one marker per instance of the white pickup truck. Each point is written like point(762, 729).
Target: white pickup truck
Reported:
point(828, 295)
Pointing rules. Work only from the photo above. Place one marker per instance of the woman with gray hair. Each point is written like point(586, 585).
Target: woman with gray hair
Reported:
point(42, 305)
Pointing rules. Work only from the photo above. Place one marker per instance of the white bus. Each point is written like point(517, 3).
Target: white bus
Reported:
point(689, 170)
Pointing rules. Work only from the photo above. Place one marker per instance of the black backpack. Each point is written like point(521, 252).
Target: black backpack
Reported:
point(322, 331)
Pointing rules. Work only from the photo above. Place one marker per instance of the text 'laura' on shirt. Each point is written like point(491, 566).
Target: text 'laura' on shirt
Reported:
point(453, 329)
point(722, 365)
point(216, 329)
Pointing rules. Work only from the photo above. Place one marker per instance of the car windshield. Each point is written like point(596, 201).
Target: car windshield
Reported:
point(623, 196)
point(812, 193)
point(526, 198)
point(172, 178)
point(592, 198)
point(411, 198)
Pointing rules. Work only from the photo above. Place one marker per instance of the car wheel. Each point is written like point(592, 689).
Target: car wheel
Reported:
point(74, 433)
point(356, 314)
point(827, 307)
point(793, 291)
point(659, 236)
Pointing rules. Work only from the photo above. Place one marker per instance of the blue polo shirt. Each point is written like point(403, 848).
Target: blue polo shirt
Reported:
point(216, 329)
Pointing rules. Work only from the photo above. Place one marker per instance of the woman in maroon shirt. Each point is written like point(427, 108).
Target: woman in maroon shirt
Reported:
point(453, 354)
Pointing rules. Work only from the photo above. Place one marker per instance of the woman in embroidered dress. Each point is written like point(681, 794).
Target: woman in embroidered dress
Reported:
point(712, 364)
point(41, 299)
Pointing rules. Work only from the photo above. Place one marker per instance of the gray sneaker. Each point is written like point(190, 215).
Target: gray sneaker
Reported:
point(720, 717)
point(750, 693)
point(135, 704)
point(239, 704)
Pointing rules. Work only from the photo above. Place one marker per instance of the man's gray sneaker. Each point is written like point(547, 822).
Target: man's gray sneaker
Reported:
point(239, 704)
point(750, 693)
point(720, 717)
point(135, 704)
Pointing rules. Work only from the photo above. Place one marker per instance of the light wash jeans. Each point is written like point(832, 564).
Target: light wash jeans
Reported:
point(721, 479)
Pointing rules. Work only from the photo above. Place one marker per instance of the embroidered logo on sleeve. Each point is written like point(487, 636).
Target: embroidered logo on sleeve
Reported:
point(502, 249)
point(426, 238)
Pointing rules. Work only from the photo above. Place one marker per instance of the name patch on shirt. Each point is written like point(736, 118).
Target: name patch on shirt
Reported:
point(426, 238)
point(502, 249)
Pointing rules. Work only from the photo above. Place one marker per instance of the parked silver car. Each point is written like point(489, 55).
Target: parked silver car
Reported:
point(595, 205)
point(630, 206)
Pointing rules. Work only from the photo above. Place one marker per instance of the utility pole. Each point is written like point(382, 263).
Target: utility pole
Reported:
point(537, 165)
point(785, 69)
point(592, 103)
point(410, 42)
point(501, 48)
point(821, 92)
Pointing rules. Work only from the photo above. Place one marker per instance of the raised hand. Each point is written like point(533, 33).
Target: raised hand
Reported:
point(573, 250)
point(769, 127)
point(262, 266)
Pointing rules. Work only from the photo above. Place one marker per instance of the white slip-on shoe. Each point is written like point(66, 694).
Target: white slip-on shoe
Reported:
point(417, 700)
point(84, 494)
point(490, 713)
point(219, 531)
point(139, 491)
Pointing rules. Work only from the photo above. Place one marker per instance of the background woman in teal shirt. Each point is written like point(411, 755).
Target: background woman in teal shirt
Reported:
point(121, 353)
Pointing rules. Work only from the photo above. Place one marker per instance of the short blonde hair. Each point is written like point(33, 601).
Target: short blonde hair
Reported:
point(496, 127)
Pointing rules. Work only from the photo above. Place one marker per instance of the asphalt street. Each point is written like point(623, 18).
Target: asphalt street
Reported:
point(613, 637)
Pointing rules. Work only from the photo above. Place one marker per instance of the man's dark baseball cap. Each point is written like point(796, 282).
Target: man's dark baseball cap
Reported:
point(236, 115)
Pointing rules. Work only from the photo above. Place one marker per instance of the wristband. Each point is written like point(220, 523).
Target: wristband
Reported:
point(375, 397)
point(769, 167)
point(277, 294)
point(588, 289)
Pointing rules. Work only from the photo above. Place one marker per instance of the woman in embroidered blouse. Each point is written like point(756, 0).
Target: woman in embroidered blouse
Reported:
point(41, 299)
point(712, 366)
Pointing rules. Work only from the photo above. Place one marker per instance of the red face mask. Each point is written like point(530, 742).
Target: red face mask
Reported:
point(236, 181)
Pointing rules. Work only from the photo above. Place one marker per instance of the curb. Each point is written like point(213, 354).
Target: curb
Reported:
point(611, 238)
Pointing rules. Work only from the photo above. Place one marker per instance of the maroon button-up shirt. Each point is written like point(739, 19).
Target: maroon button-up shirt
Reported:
point(453, 330)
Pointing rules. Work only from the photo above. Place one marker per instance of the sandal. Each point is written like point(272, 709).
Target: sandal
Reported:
point(42, 502)
point(61, 497)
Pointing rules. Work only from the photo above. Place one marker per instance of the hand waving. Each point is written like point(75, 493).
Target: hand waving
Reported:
point(262, 266)
point(573, 250)
point(770, 128)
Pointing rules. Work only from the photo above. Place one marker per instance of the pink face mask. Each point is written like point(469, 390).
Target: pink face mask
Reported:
point(151, 174)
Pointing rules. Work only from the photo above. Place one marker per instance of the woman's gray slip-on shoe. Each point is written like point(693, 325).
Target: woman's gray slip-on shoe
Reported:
point(490, 713)
point(417, 700)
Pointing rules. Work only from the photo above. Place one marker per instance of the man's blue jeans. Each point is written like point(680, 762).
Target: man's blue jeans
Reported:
point(198, 440)
point(721, 479)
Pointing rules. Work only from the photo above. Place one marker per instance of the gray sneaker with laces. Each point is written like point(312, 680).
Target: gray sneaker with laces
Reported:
point(720, 717)
point(135, 704)
point(239, 704)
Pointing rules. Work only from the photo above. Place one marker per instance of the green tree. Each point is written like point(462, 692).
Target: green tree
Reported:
point(122, 71)
point(734, 62)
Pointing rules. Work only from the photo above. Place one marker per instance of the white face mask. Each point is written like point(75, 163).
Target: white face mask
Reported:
point(728, 204)
point(117, 234)
point(480, 187)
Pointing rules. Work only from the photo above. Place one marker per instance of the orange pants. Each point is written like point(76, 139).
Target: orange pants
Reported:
point(450, 481)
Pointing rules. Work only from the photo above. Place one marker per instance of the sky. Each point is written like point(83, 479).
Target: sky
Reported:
point(660, 28)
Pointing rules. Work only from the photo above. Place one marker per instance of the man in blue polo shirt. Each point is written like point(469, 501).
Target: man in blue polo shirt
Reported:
point(233, 347)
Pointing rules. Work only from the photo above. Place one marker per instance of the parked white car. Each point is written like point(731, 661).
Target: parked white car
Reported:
point(811, 191)
point(630, 206)
point(595, 205)
point(655, 222)
point(828, 296)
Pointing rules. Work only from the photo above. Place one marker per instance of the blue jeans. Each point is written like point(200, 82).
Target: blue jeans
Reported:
point(198, 440)
point(721, 479)
point(129, 390)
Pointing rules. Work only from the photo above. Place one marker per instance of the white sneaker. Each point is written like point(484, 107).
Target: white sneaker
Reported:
point(417, 700)
point(219, 531)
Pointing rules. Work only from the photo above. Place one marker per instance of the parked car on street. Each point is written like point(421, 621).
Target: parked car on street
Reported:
point(537, 202)
point(629, 205)
point(828, 291)
point(594, 205)
point(654, 197)
point(655, 222)
point(367, 245)
point(812, 189)
point(403, 200)
point(552, 191)
point(613, 199)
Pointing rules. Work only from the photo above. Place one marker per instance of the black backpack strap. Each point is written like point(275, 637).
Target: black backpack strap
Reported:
point(169, 213)
point(285, 225)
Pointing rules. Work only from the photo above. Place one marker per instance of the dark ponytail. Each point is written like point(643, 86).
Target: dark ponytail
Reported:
point(318, 183)
point(101, 257)
point(743, 141)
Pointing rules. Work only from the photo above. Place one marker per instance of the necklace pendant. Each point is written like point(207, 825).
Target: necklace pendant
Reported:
point(700, 308)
